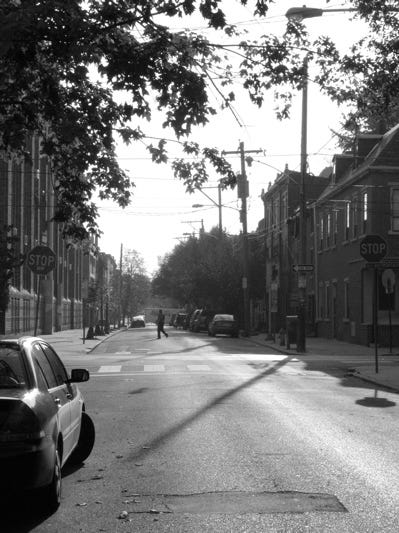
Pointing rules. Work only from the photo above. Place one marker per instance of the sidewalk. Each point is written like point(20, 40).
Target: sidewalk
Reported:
point(70, 342)
point(388, 363)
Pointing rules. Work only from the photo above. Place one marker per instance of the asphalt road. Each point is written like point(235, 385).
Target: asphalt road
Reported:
point(198, 434)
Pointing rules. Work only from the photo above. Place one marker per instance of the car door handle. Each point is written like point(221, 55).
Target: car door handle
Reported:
point(57, 401)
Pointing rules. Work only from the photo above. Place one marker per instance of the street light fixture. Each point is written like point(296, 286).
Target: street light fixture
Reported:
point(300, 13)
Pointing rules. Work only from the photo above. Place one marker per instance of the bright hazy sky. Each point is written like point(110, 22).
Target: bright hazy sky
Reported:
point(161, 212)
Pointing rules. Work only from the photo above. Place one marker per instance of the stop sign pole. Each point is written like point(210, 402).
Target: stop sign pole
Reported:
point(41, 260)
point(373, 248)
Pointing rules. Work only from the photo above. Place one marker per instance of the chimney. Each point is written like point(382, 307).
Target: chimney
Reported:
point(342, 163)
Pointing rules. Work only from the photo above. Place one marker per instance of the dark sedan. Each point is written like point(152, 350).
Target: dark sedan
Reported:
point(223, 324)
point(42, 418)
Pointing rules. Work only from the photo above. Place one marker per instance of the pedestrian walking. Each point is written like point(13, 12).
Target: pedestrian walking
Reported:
point(160, 324)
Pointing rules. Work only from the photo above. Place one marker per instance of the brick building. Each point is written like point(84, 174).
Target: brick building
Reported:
point(27, 204)
point(359, 197)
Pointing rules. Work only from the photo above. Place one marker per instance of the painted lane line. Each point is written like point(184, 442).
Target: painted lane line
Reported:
point(110, 368)
point(123, 353)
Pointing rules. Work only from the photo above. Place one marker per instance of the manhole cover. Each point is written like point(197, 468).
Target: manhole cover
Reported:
point(238, 503)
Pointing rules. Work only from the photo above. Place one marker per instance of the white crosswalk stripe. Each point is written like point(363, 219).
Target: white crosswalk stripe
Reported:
point(110, 368)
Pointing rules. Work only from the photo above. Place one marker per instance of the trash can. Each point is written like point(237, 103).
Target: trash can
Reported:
point(291, 329)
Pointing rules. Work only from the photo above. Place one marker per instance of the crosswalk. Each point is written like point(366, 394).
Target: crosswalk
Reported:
point(149, 369)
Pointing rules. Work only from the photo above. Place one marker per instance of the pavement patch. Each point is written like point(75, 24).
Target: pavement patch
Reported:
point(239, 502)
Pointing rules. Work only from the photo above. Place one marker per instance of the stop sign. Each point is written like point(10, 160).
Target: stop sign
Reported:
point(41, 259)
point(373, 248)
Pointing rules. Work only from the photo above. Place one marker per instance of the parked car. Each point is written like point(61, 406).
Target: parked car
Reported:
point(138, 322)
point(186, 323)
point(180, 320)
point(43, 422)
point(224, 324)
point(200, 320)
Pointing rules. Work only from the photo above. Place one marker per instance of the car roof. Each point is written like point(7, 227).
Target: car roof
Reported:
point(224, 316)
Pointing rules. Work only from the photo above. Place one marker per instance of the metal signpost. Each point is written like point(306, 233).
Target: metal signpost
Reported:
point(41, 260)
point(373, 248)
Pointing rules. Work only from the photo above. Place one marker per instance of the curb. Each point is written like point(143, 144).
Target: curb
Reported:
point(89, 350)
point(372, 381)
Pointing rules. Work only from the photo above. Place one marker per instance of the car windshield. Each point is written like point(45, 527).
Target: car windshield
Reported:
point(12, 369)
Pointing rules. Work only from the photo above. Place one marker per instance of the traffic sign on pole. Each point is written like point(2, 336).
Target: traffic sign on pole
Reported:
point(373, 248)
point(41, 260)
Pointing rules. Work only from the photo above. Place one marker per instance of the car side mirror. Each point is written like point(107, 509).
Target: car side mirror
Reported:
point(78, 375)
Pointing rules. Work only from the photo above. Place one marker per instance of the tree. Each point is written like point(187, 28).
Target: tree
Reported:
point(131, 288)
point(203, 271)
point(80, 73)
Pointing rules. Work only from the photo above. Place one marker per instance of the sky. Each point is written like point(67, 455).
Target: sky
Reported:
point(161, 213)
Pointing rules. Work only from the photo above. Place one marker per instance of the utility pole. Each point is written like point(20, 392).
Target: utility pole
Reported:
point(301, 342)
point(120, 287)
point(243, 193)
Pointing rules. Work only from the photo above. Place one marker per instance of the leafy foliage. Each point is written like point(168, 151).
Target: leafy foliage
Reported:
point(203, 272)
point(79, 73)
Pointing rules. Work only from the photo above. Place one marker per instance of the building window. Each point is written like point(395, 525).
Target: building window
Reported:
point(328, 230)
point(354, 213)
point(395, 209)
point(346, 300)
point(321, 236)
point(347, 220)
point(365, 213)
point(284, 206)
point(321, 301)
point(335, 227)
point(327, 313)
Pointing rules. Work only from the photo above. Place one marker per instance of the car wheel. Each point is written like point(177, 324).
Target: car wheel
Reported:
point(86, 440)
point(52, 493)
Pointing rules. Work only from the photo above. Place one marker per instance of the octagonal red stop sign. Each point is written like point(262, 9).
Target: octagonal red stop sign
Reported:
point(373, 248)
point(41, 259)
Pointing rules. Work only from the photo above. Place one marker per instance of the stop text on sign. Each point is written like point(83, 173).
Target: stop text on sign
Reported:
point(41, 260)
point(373, 248)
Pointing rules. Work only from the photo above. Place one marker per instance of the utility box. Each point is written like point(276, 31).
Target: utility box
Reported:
point(292, 329)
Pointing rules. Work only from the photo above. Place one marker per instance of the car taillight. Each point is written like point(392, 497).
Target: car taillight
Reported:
point(19, 423)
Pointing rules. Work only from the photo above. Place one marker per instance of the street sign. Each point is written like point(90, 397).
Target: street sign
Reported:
point(388, 280)
point(41, 259)
point(373, 248)
point(303, 268)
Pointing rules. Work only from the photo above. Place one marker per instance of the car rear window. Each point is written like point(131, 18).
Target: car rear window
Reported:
point(12, 368)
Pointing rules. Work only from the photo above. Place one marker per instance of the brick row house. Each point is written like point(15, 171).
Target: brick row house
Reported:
point(357, 197)
point(27, 205)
